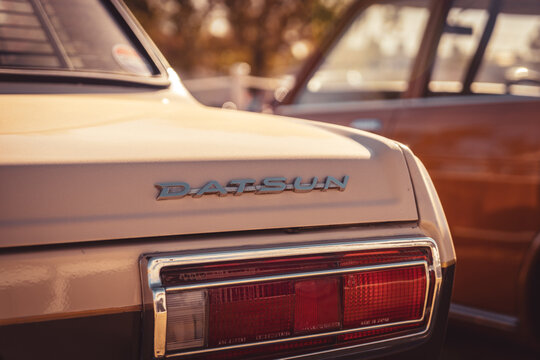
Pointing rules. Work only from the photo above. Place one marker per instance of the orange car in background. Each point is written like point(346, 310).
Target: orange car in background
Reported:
point(458, 82)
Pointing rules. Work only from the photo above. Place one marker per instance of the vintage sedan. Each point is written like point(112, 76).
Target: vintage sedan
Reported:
point(136, 223)
point(458, 82)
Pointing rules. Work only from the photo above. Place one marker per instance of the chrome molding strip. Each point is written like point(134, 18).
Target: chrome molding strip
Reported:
point(155, 264)
point(160, 321)
point(311, 336)
point(355, 106)
point(297, 275)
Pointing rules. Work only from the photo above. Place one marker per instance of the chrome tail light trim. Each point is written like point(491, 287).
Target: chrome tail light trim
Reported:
point(155, 263)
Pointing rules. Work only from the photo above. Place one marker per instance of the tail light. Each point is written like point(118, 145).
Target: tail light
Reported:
point(290, 301)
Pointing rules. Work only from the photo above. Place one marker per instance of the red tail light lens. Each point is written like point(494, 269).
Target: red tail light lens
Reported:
point(292, 304)
point(386, 296)
point(250, 313)
point(317, 305)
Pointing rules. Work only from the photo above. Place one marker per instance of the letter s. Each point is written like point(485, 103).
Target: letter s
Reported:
point(272, 185)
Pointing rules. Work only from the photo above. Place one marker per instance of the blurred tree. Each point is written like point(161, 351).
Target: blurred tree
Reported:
point(205, 37)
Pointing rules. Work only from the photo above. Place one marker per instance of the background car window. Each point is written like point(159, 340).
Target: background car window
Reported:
point(67, 35)
point(374, 57)
point(464, 26)
point(511, 63)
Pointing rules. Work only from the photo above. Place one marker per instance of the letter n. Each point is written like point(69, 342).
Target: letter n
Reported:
point(333, 183)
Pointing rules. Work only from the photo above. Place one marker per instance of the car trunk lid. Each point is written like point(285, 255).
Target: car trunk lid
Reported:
point(85, 168)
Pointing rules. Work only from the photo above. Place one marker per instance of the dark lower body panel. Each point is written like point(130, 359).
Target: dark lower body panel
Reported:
point(114, 336)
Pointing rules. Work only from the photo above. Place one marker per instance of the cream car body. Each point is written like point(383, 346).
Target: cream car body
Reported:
point(79, 165)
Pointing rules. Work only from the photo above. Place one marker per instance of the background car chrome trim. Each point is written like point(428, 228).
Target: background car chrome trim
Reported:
point(299, 109)
point(159, 261)
point(483, 317)
point(366, 124)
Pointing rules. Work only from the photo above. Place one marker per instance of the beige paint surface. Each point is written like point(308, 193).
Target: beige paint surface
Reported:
point(77, 168)
point(100, 278)
point(83, 167)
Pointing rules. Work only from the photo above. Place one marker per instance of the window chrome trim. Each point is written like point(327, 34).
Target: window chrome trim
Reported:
point(156, 263)
point(134, 29)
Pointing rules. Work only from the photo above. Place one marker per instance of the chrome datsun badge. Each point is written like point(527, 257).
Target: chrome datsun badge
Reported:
point(269, 185)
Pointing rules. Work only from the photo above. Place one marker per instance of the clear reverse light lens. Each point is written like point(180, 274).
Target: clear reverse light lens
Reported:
point(186, 319)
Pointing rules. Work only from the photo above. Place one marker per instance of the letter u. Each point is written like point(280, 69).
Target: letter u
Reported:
point(299, 187)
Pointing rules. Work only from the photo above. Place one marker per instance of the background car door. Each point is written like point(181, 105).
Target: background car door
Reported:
point(477, 130)
point(460, 84)
point(365, 71)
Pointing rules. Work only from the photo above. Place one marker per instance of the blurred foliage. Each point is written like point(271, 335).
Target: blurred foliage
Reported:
point(205, 37)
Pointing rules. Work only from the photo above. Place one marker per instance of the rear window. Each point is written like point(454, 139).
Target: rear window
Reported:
point(74, 35)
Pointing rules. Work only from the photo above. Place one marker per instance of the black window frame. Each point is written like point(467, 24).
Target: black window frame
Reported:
point(476, 59)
